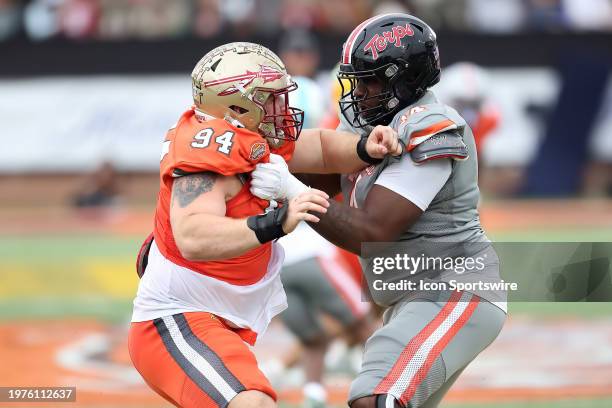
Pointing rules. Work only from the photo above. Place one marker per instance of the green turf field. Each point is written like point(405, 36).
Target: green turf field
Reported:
point(55, 277)
point(58, 276)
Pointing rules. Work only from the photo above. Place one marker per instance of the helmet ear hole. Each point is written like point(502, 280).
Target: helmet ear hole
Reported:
point(400, 87)
point(238, 109)
point(402, 82)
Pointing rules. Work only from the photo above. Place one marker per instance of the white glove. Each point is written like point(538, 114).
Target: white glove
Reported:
point(272, 181)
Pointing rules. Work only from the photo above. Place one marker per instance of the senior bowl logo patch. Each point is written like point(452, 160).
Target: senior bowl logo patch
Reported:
point(258, 150)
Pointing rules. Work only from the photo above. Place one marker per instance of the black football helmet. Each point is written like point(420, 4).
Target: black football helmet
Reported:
point(401, 52)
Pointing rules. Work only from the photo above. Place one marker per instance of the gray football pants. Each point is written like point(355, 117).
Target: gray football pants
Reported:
point(424, 345)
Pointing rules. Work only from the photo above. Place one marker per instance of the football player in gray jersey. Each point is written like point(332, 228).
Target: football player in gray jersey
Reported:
point(425, 202)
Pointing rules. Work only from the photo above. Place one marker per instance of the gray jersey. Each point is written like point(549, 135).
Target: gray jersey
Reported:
point(450, 225)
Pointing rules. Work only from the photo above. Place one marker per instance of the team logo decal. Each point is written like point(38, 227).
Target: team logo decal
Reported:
point(268, 74)
point(378, 43)
point(257, 151)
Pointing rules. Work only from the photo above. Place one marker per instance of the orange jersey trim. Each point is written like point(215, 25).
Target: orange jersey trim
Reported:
point(428, 131)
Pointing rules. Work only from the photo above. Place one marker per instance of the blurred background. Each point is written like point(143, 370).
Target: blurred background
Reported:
point(88, 89)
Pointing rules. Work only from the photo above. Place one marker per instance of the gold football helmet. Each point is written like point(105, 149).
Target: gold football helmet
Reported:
point(248, 83)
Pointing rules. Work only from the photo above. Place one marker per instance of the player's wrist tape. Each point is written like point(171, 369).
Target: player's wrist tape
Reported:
point(268, 226)
point(363, 153)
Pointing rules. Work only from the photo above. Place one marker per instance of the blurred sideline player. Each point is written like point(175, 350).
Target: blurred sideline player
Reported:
point(327, 284)
point(425, 200)
point(331, 118)
point(465, 87)
point(212, 270)
point(299, 50)
point(319, 288)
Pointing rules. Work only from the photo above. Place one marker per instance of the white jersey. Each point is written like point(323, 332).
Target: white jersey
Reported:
point(166, 289)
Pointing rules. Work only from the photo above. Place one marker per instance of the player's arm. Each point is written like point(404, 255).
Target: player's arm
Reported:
point(401, 193)
point(199, 225)
point(384, 217)
point(203, 232)
point(322, 151)
point(393, 204)
point(330, 183)
point(326, 151)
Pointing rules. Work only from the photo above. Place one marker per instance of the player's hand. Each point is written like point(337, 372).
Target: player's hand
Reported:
point(273, 181)
point(383, 140)
point(310, 200)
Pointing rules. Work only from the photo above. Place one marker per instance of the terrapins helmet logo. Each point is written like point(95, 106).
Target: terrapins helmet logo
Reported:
point(378, 42)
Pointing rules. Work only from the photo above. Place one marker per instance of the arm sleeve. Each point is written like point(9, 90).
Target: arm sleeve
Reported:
point(418, 184)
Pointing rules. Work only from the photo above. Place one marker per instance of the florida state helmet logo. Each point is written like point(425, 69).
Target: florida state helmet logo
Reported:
point(268, 74)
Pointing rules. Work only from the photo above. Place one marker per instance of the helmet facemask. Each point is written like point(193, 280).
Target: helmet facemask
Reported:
point(280, 121)
point(368, 110)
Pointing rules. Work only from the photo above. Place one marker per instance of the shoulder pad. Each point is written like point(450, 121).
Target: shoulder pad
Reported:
point(416, 124)
point(447, 144)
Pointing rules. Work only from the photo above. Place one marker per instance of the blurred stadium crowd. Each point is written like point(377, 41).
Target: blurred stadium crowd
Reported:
point(544, 121)
point(121, 19)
